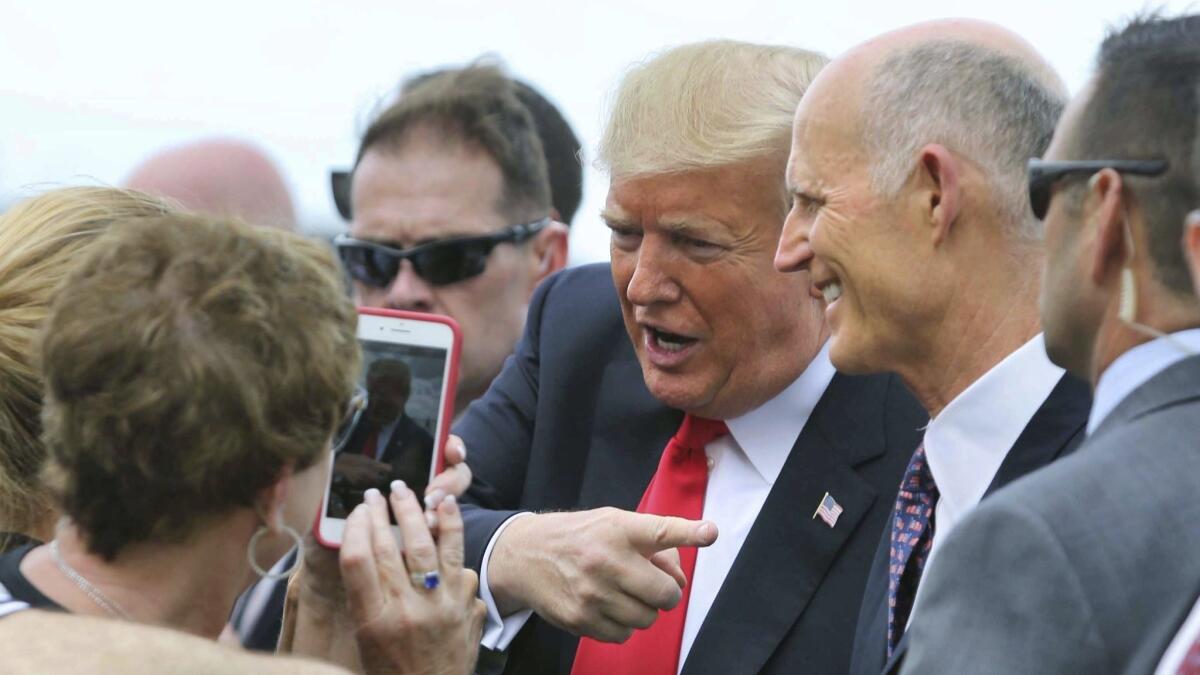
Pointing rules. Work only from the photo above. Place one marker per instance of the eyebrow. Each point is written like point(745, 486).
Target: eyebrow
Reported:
point(612, 218)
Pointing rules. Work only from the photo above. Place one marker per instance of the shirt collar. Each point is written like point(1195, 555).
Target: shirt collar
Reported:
point(968, 441)
point(768, 433)
point(1135, 367)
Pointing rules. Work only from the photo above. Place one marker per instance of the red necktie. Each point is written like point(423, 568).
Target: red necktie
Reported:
point(677, 489)
point(371, 445)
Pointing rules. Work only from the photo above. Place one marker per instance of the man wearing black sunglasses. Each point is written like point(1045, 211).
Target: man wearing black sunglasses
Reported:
point(1090, 565)
point(452, 213)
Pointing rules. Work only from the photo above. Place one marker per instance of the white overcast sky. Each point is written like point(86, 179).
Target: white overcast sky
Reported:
point(87, 89)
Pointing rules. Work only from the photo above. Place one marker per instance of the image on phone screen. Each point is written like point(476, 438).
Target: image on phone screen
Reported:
point(391, 433)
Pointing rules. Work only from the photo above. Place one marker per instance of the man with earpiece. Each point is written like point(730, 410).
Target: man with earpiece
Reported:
point(1090, 565)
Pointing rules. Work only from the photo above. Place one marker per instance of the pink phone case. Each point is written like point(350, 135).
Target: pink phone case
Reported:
point(447, 409)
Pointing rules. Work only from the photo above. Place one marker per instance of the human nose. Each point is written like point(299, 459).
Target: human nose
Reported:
point(794, 253)
point(651, 282)
point(408, 291)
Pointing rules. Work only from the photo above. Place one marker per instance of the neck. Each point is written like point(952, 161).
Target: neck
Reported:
point(190, 586)
point(988, 319)
point(1116, 337)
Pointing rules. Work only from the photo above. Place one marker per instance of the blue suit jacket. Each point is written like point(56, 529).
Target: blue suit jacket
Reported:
point(569, 424)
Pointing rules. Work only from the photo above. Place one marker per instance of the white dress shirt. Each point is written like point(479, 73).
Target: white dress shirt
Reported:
point(742, 468)
point(1135, 367)
point(385, 436)
point(968, 441)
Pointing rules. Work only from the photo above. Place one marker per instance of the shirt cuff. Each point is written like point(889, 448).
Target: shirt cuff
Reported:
point(498, 631)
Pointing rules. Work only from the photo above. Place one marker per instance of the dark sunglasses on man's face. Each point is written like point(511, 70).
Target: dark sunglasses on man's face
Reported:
point(440, 262)
point(1045, 174)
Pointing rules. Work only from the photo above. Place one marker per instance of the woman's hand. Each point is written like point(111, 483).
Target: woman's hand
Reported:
point(322, 581)
point(416, 611)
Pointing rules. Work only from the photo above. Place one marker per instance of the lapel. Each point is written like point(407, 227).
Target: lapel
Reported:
point(787, 552)
point(870, 636)
point(1055, 430)
point(1177, 383)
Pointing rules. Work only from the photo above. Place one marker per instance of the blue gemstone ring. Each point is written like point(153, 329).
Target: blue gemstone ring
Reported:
point(427, 580)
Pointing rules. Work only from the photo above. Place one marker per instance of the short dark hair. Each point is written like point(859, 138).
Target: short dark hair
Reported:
point(187, 361)
point(1146, 105)
point(477, 105)
point(564, 154)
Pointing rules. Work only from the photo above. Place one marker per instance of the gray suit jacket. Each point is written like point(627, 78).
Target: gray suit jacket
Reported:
point(1083, 567)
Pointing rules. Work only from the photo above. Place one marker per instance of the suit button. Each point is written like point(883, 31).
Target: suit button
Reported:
point(710, 463)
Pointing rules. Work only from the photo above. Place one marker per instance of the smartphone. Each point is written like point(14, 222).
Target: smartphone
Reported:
point(400, 415)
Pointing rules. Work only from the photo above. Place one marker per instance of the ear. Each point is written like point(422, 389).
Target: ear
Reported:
point(1104, 209)
point(1191, 246)
point(939, 175)
point(550, 251)
point(271, 499)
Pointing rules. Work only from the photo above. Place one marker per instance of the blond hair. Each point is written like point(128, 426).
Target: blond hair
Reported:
point(706, 105)
point(41, 240)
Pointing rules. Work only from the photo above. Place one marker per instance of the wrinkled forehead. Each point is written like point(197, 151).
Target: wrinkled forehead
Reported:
point(741, 193)
point(827, 140)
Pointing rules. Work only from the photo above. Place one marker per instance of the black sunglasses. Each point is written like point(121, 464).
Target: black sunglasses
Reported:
point(1045, 174)
point(339, 187)
point(440, 262)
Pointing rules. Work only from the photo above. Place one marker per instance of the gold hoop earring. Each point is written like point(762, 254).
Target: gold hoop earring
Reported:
point(251, 553)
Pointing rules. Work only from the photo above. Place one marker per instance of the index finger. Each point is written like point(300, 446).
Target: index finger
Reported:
point(650, 534)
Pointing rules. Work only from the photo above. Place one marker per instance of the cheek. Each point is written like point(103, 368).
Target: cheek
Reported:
point(623, 264)
point(368, 296)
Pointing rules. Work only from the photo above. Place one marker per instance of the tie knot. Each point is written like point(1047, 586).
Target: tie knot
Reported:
point(697, 432)
point(918, 479)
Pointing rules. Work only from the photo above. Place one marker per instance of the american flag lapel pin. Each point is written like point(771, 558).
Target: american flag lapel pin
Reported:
point(829, 510)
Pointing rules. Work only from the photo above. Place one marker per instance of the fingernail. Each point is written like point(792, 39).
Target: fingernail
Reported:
point(705, 531)
point(431, 519)
point(434, 498)
point(451, 503)
point(372, 494)
point(399, 488)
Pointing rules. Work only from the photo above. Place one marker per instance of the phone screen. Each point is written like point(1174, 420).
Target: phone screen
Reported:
point(391, 433)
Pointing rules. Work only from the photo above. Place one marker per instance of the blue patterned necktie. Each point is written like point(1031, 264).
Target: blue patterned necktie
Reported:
point(912, 537)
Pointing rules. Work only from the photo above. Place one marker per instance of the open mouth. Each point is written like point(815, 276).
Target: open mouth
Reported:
point(831, 292)
point(667, 341)
point(829, 288)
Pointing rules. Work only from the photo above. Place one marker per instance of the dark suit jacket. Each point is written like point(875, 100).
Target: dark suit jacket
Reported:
point(569, 424)
point(1087, 566)
point(409, 450)
point(1054, 430)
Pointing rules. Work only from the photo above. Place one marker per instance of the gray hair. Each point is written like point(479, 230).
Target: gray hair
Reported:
point(983, 104)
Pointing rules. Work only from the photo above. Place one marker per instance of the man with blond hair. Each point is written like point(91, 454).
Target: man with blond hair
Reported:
point(911, 216)
point(780, 469)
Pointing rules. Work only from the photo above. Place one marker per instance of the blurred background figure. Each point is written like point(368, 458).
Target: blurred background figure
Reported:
point(219, 177)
